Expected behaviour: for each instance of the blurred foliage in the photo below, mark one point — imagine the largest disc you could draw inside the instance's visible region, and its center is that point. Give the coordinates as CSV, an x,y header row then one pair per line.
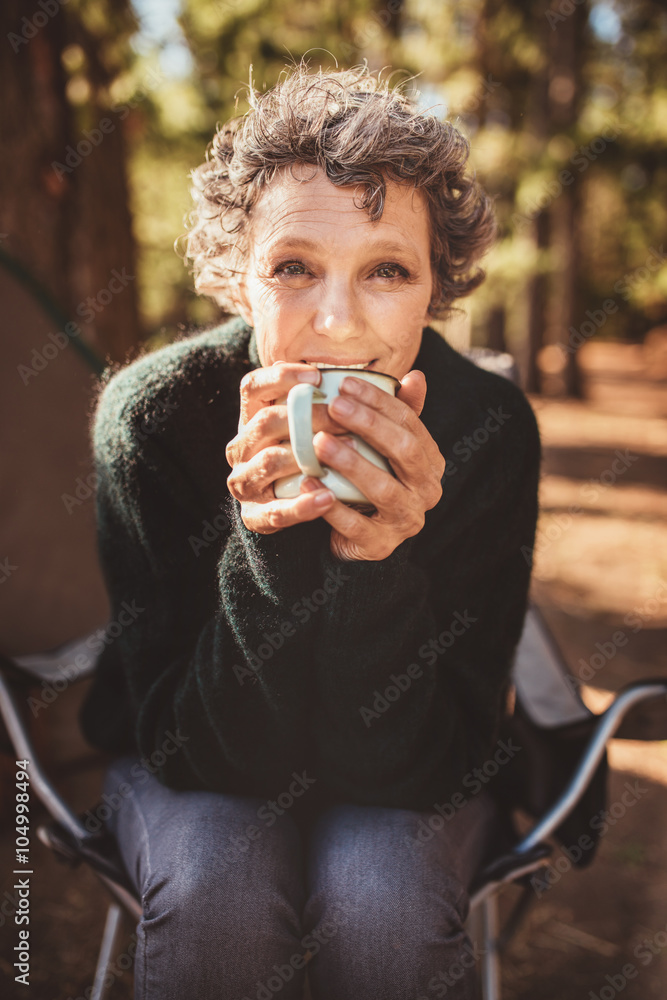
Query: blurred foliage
x,y
476,64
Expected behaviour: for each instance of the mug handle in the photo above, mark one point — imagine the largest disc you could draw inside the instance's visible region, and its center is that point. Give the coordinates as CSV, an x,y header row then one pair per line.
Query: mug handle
x,y
300,422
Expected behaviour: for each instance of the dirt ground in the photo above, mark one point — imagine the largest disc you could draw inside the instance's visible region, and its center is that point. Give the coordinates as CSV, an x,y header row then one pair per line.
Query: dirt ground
x,y
600,569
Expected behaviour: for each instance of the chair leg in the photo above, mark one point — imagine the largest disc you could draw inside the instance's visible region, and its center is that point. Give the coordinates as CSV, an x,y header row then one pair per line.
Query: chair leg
x,y
491,956
112,929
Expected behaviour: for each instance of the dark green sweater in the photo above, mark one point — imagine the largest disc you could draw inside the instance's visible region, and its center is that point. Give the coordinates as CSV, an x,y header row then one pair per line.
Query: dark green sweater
x,y
264,655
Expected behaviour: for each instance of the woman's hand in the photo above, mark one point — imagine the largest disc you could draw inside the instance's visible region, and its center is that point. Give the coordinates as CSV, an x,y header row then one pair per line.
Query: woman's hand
x,y
258,457
392,426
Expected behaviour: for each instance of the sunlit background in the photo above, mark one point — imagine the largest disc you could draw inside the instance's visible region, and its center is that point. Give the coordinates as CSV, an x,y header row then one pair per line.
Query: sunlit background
x,y
107,107
538,92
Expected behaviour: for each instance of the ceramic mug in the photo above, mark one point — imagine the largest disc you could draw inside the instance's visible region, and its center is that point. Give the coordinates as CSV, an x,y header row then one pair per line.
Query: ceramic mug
x,y
300,401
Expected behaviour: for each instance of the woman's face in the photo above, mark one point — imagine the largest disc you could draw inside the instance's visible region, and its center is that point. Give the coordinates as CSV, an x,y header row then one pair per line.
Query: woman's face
x,y
325,284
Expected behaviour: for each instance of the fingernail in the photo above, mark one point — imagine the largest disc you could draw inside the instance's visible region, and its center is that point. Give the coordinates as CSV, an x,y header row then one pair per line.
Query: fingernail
x,y
323,498
325,443
340,405
351,384
309,376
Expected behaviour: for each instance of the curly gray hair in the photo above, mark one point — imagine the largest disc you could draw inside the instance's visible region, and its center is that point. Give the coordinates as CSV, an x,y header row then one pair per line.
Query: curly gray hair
x,y
360,132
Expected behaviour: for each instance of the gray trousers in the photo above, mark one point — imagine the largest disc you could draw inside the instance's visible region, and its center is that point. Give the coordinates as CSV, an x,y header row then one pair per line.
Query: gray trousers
x,y
239,899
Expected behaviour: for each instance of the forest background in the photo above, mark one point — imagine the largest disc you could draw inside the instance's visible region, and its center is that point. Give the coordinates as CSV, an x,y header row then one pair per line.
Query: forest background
x,y
109,105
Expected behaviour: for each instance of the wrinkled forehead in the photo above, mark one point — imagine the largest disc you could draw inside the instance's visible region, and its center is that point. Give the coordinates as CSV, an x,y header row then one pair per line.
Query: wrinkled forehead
x,y
301,202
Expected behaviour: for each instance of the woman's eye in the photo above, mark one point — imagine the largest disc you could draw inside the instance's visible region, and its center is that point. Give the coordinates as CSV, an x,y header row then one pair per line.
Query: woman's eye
x,y
292,267
391,271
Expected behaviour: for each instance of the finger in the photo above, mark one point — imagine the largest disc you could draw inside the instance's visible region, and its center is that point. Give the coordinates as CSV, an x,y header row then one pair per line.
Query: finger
x,y
391,498
406,459
352,538
254,480
405,450
269,427
267,518
413,390
357,537
309,484
262,386
393,407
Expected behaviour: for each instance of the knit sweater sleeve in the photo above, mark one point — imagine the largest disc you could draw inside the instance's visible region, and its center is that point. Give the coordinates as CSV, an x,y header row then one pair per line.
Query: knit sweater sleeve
x,y
217,652
429,633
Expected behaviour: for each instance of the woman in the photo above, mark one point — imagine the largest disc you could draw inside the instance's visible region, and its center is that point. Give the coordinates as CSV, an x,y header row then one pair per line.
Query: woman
x,y
302,705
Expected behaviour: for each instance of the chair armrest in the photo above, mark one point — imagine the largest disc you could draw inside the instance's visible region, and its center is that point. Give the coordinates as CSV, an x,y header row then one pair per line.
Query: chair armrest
x,y
72,660
606,726
10,711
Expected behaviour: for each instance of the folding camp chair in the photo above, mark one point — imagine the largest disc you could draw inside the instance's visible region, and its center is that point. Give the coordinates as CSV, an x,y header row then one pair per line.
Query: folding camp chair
x,y
558,780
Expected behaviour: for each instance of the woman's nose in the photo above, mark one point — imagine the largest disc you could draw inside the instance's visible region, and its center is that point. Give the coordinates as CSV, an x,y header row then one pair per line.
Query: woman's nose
x,y
338,310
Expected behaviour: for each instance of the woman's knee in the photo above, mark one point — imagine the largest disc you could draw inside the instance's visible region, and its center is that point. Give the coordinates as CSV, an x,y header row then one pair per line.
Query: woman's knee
x,y
194,845
401,943
396,912
369,859
216,862
408,910
221,906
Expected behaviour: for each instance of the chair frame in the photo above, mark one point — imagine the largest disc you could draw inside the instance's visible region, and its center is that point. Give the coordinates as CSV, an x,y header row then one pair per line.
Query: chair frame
x,y
524,862
525,858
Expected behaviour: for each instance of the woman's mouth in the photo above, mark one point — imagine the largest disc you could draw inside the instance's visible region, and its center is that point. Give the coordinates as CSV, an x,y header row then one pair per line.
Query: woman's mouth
x,y
340,364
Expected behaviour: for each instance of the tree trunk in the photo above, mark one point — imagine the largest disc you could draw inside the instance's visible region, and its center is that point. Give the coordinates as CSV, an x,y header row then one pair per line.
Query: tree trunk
x,y
496,329
539,283
70,227
566,57
538,294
